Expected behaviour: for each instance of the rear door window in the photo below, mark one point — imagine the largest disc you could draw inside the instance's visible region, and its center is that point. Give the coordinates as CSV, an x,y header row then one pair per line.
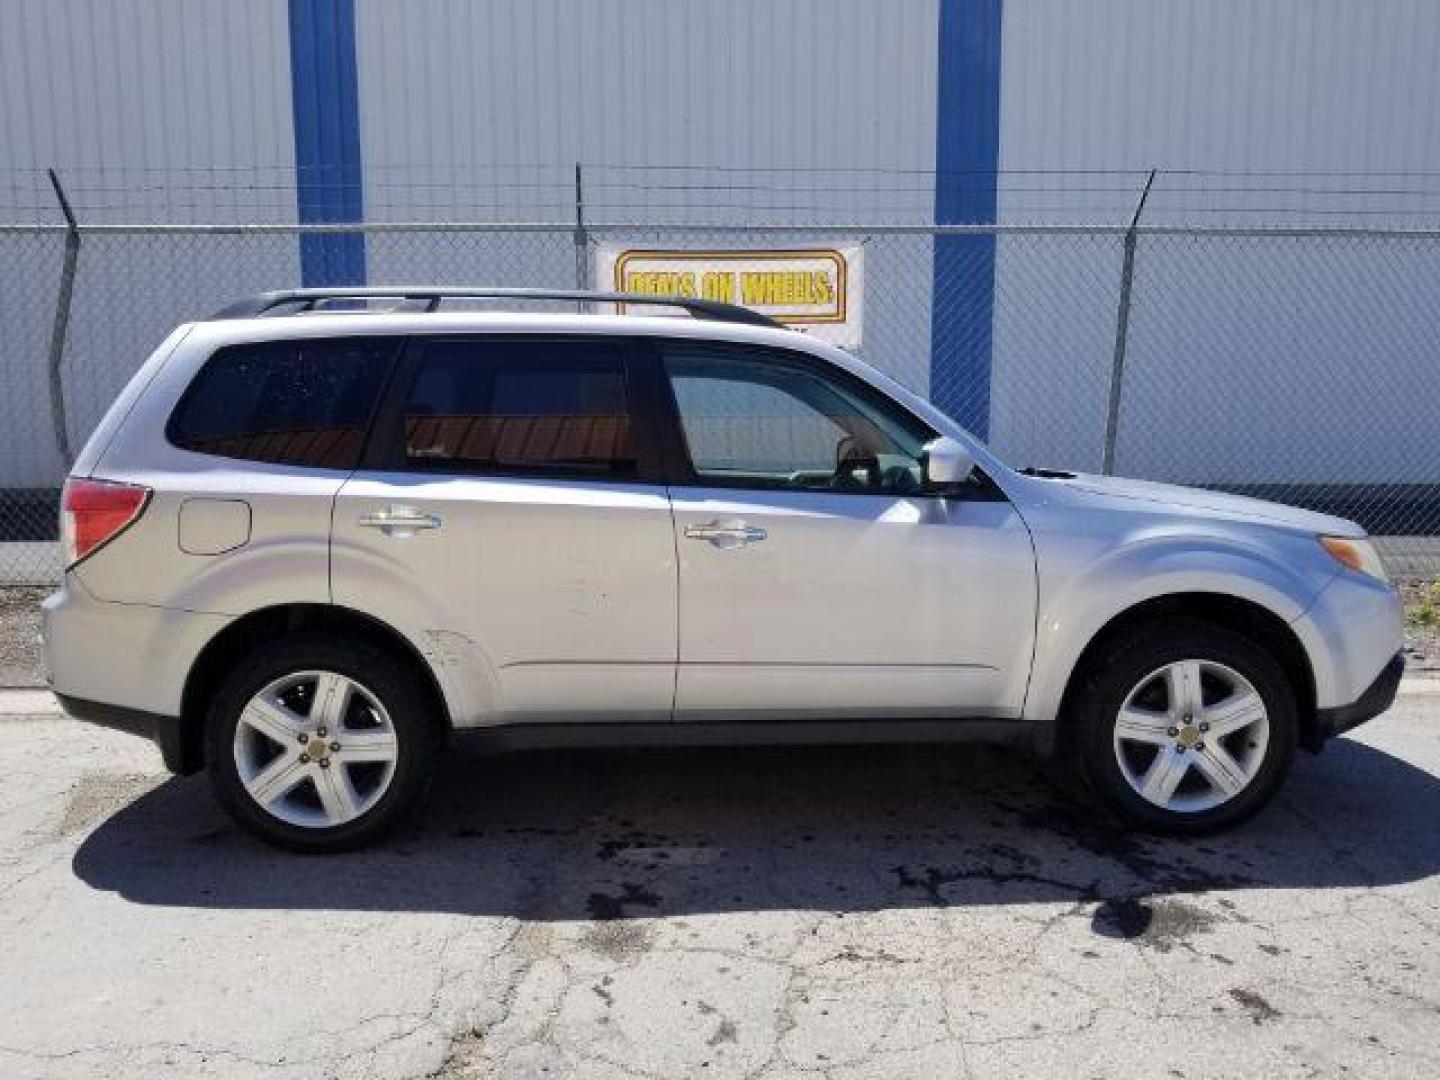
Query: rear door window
x,y
284,402
520,407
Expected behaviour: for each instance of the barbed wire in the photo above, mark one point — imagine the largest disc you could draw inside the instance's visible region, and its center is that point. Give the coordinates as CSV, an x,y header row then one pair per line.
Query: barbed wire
x,y
259,194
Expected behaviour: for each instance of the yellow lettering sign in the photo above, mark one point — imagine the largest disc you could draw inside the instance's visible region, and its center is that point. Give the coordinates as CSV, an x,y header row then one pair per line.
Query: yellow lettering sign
x,y
800,287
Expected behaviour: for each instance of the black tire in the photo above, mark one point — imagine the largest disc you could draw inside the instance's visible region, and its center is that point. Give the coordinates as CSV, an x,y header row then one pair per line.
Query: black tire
x,y
1124,663
394,683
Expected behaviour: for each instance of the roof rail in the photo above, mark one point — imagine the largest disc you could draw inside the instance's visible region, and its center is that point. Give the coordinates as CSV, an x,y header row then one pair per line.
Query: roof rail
x,y
296,300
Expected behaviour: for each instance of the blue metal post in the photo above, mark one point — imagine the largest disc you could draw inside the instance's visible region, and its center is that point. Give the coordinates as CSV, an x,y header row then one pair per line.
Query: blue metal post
x,y
967,150
326,104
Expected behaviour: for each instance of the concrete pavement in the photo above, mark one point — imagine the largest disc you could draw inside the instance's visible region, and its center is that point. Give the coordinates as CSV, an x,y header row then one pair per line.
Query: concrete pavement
x,y
796,913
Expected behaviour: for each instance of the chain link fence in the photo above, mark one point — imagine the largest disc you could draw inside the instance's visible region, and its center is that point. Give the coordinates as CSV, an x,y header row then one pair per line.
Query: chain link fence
x,y
1294,364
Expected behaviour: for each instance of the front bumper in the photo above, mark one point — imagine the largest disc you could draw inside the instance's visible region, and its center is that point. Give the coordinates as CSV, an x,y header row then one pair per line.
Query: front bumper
x,y
163,731
1378,697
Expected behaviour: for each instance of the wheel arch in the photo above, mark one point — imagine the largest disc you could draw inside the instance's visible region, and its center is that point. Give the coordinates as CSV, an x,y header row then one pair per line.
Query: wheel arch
x,y
1255,621
265,624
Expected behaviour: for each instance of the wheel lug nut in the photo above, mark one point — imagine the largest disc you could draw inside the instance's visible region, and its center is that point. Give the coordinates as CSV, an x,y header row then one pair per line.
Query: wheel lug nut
x,y
304,738
1204,726
1172,732
324,762
334,747
304,759
320,732
1199,746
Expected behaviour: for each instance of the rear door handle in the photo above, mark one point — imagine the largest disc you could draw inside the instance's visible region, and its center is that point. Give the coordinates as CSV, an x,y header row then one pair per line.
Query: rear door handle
x,y
726,534
400,521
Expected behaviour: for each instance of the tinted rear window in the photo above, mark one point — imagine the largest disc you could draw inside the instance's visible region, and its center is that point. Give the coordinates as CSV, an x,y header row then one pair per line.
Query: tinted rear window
x,y
520,407
287,402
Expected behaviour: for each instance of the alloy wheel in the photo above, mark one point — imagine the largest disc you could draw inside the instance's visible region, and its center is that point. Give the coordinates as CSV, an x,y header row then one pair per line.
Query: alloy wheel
x,y
1191,736
316,749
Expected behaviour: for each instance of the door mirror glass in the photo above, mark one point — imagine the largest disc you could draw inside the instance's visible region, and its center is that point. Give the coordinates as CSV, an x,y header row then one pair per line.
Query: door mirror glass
x,y
947,461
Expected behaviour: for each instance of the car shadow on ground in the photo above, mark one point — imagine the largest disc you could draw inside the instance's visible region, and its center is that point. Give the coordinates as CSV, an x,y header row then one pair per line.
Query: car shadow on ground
x,y
605,835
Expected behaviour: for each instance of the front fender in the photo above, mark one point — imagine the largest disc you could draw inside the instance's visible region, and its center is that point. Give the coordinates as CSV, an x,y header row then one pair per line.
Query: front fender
x,y
1080,597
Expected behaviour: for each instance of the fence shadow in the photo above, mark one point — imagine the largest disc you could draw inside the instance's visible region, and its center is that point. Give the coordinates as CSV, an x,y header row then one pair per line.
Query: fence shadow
x,y
602,835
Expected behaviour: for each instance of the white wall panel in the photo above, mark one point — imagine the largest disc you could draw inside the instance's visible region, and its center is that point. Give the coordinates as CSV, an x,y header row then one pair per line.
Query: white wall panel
x,y
1282,103
756,111
174,111
456,94
162,110
748,112
1304,87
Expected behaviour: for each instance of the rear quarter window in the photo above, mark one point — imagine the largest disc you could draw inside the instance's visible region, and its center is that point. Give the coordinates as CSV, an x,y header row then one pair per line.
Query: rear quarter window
x,y
284,402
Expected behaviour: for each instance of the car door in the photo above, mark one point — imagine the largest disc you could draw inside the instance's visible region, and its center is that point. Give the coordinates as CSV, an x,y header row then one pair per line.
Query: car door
x,y
509,517
819,576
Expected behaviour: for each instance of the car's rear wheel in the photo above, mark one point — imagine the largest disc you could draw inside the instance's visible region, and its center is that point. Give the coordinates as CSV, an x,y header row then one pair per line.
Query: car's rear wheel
x,y
318,747
1185,726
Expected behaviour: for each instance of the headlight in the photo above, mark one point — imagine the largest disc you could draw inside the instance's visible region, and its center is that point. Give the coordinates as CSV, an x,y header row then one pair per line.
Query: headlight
x,y
1358,555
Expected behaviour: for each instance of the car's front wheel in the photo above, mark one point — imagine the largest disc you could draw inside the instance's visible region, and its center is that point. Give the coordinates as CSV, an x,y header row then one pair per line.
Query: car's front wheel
x,y
318,747
1185,726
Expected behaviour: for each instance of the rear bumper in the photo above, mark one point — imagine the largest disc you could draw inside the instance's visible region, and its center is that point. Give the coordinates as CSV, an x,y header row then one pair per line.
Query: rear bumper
x,y
133,656
163,731
1375,700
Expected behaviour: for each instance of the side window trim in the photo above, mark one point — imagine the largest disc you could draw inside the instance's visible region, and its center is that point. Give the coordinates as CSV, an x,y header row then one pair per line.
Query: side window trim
x,y
392,378
385,450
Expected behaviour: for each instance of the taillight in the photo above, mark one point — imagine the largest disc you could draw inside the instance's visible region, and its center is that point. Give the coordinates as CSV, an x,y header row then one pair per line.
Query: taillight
x,y
94,512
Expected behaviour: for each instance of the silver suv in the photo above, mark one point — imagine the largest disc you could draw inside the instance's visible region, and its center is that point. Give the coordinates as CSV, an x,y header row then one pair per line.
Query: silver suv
x,y
322,532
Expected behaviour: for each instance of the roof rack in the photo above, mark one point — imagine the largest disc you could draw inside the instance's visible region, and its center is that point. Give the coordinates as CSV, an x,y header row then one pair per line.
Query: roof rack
x,y
428,298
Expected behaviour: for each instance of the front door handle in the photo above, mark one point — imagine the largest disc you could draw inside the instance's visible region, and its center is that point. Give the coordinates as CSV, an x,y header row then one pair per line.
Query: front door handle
x,y
400,521
726,534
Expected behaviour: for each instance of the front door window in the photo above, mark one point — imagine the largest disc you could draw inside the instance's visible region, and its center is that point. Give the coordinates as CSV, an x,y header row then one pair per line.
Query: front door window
x,y
763,419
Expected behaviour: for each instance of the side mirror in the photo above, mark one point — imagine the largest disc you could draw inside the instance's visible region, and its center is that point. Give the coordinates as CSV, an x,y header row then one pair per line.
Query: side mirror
x,y
947,461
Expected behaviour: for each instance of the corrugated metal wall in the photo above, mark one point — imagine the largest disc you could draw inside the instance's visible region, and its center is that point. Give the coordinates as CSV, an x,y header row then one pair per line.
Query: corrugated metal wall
x,y
456,95
759,112
1287,112
162,110
1221,84
748,112
174,110
772,100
